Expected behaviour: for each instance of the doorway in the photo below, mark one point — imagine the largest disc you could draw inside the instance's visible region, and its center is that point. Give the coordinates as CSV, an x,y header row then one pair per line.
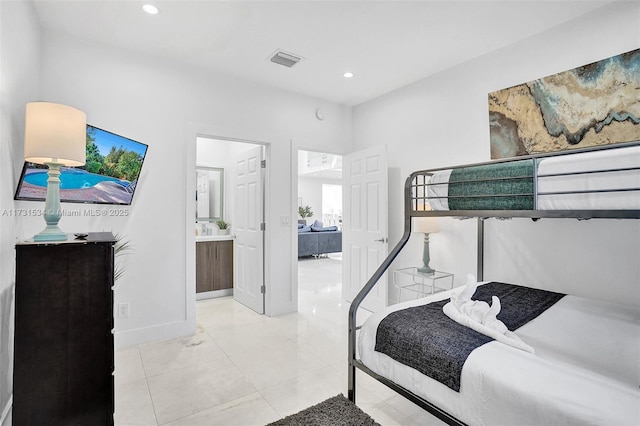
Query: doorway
x,y
319,207
232,229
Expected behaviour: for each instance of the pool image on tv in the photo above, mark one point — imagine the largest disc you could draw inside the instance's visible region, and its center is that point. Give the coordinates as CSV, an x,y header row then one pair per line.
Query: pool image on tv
x,y
109,176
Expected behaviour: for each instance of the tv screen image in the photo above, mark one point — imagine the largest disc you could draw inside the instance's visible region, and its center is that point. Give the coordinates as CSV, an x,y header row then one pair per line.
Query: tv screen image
x,y
109,176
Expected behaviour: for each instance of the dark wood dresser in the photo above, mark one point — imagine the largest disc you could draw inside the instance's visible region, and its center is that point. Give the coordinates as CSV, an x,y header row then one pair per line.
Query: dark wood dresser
x,y
64,352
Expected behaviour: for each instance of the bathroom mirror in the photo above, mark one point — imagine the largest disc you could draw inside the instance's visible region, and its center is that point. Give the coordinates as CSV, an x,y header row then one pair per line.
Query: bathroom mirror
x,y
209,193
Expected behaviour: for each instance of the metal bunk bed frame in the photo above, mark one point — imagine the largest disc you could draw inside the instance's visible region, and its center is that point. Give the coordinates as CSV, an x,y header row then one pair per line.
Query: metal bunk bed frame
x,y
414,197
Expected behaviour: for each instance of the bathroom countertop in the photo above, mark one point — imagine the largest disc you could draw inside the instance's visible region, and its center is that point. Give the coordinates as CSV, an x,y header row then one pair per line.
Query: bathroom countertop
x,y
200,238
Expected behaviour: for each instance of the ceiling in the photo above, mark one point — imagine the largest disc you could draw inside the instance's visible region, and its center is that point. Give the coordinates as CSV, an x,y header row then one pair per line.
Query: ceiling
x,y
319,165
386,44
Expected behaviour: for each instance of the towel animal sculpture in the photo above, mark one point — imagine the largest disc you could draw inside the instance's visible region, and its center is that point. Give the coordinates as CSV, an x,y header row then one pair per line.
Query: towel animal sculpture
x,y
479,316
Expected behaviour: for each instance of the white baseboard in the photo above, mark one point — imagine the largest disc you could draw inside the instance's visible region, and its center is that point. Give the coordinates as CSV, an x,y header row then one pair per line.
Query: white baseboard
x,y
213,294
124,339
6,411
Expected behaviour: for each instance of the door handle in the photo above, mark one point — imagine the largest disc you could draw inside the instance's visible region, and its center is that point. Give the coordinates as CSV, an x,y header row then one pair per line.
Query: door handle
x,y
381,240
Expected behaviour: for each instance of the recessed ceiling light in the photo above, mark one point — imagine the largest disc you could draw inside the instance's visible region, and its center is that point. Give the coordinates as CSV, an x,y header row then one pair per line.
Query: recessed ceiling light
x,y
348,74
150,9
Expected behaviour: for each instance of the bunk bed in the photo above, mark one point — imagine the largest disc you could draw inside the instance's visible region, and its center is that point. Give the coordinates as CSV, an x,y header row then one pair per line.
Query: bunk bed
x,y
566,376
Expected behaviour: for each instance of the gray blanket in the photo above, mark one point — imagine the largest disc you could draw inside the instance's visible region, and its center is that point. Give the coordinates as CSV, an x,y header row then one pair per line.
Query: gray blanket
x,y
424,338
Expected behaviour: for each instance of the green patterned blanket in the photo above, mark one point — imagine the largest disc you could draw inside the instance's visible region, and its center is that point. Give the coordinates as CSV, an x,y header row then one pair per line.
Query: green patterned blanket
x,y
500,186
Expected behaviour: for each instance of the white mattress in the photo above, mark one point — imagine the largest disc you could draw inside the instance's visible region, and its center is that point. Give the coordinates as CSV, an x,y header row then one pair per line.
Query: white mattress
x,y
591,161
586,369
618,158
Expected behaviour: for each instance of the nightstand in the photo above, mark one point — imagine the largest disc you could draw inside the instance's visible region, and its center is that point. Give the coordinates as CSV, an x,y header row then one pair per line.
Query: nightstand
x,y
420,283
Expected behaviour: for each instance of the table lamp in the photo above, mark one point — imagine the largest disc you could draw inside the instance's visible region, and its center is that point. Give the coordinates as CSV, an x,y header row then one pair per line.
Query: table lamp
x,y
55,135
426,225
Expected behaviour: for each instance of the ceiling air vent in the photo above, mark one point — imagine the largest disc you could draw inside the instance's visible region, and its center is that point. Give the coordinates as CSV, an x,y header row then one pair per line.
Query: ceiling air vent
x,y
284,58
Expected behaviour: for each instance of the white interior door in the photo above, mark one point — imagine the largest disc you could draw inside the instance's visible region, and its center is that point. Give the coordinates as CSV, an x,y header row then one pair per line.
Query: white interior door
x,y
365,224
248,217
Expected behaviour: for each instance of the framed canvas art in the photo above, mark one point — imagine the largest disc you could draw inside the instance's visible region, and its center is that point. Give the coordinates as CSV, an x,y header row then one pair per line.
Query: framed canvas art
x,y
595,104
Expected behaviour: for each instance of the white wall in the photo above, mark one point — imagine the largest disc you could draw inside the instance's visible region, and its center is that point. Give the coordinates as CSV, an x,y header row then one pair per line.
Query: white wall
x,y
166,105
443,121
310,190
20,47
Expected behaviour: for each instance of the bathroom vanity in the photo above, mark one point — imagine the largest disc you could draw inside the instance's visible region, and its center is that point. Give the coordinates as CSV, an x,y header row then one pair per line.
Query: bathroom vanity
x,y
214,266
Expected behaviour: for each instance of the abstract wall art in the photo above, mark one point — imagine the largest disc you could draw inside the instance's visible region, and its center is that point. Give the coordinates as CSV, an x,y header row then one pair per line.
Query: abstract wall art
x,y
595,104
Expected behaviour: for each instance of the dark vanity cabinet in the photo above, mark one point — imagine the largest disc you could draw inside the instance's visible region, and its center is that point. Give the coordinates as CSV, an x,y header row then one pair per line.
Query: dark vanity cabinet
x,y
64,351
214,265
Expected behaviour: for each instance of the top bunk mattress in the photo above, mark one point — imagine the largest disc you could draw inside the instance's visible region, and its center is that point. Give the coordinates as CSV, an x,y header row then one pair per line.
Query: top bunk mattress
x,y
598,180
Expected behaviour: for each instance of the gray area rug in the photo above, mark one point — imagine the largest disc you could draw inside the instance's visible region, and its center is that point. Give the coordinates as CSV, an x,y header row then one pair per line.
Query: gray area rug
x,y
335,411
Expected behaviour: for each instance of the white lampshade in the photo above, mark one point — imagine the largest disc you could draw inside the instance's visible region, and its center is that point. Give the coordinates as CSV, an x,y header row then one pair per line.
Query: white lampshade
x,y
428,225
55,133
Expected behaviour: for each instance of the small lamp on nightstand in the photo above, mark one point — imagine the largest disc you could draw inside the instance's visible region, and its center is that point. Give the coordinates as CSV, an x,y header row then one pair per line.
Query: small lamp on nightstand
x,y
54,135
426,225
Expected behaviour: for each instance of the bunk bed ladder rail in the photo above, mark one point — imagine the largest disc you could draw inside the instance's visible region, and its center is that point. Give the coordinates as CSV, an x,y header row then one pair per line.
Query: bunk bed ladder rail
x,y
353,309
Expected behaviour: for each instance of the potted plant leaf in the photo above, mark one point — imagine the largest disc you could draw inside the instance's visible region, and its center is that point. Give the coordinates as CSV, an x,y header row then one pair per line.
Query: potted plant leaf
x,y
305,212
122,247
223,226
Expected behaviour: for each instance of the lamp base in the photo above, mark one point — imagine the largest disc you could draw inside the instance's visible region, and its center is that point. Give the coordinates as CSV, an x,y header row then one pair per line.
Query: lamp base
x,y
51,233
426,270
52,210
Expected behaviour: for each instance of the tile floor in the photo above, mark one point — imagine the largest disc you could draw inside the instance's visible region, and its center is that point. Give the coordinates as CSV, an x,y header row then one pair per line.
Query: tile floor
x,y
241,368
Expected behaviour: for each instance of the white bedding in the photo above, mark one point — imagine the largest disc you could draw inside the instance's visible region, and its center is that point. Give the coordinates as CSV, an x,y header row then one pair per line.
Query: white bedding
x,y
586,369
438,190
589,161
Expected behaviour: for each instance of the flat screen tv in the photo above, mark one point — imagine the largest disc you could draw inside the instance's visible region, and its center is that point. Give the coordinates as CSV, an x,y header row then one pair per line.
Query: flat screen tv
x,y
110,175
